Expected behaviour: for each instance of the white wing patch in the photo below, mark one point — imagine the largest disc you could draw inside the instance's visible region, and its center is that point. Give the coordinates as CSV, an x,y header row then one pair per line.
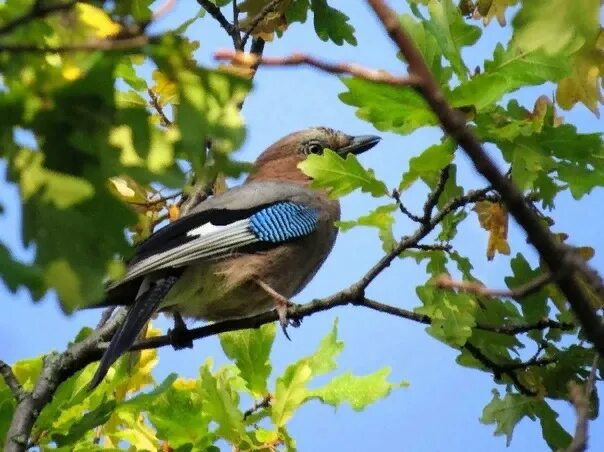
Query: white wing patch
x,y
210,241
205,229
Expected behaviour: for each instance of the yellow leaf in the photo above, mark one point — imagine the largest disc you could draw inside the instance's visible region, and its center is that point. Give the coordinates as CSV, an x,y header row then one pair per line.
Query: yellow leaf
x,y
71,72
173,212
494,218
164,88
184,384
271,22
97,19
584,83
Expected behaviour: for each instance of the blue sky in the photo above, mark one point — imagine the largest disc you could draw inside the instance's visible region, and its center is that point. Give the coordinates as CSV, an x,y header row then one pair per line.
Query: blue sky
x,y
440,409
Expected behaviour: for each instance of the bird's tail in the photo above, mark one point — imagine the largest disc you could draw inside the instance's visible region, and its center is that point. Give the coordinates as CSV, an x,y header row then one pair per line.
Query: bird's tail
x,y
138,315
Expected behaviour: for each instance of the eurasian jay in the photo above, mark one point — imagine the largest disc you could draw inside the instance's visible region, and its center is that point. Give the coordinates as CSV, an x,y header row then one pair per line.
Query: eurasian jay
x,y
238,253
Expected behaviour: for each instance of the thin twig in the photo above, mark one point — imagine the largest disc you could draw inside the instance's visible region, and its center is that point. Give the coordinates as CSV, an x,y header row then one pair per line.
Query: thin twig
x,y
435,247
164,9
557,256
11,381
265,11
264,403
445,282
397,197
215,12
239,44
299,59
111,45
435,194
580,398
165,121
499,369
38,11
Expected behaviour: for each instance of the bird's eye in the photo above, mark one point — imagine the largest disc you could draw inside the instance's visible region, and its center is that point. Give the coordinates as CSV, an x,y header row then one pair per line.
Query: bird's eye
x,y
315,148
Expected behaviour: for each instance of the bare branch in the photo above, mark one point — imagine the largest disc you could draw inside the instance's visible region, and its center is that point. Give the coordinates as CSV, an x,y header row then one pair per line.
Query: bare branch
x,y
265,11
56,369
215,12
264,403
164,9
580,399
397,197
299,59
558,257
38,11
111,45
11,381
435,194
165,121
505,369
445,282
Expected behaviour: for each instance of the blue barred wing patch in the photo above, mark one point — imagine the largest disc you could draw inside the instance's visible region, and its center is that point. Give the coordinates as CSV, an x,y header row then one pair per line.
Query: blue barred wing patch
x,y
283,221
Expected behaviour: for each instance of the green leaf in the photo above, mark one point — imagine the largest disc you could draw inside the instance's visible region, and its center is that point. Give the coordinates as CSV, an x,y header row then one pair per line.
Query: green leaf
x,y
534,306
297,10
221,404
452,33
556,25
427,44
86,423
428,165
322,360
173,411
330,23
506,413
182,28
7,409
389,108
209,109
341,176
509,70
380,218
16,274
291,392
358,391
452,314
250,349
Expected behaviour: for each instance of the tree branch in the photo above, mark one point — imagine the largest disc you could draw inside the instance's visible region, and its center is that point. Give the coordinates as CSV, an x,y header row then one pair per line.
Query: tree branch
x,y
436,193
165,121
558,257
11,381
397,197
215,12
580,399
264,403
111,45
56,369
505,369
38,11
445,282
300,59
265,11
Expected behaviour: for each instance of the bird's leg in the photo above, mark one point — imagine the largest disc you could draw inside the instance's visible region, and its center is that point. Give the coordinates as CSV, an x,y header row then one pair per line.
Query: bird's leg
x,y
281,305
179,335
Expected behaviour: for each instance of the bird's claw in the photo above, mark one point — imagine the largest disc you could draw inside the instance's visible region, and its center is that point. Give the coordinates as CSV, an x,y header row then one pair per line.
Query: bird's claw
x,y
284,321
179,335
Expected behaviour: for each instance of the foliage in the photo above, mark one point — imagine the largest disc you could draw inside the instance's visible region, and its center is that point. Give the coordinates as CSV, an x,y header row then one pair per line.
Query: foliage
x,y
196,413
92,144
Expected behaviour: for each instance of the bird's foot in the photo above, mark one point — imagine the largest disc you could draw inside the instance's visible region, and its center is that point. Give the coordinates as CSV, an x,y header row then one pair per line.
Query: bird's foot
x,y
179,335
282,304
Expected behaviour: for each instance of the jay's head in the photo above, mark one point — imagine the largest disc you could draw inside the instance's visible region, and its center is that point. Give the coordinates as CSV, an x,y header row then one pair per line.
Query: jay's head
x,y
280,160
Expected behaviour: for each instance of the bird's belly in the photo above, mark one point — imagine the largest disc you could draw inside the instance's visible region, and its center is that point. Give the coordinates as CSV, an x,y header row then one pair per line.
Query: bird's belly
x,y
226,290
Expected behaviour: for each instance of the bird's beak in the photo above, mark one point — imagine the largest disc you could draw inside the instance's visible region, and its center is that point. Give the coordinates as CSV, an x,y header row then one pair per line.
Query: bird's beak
x,y
359,145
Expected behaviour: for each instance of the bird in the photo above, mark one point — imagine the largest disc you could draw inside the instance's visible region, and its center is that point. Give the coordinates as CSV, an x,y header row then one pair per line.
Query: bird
x,y
238,253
